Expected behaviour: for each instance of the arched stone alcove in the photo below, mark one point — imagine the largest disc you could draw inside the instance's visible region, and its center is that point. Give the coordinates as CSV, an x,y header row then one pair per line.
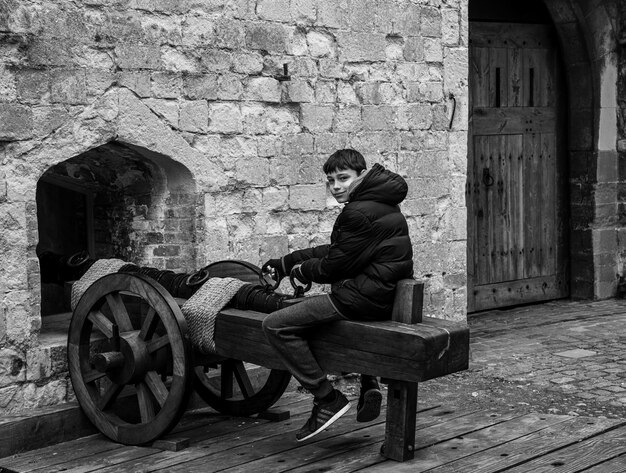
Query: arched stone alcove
x,y
114,201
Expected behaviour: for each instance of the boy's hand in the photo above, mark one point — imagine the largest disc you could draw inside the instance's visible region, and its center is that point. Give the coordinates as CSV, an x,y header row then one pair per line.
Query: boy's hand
x,y
274,266
296,273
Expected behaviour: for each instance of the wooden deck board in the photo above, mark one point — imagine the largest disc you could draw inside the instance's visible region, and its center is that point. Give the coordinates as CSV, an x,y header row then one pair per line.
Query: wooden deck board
x,y
447,440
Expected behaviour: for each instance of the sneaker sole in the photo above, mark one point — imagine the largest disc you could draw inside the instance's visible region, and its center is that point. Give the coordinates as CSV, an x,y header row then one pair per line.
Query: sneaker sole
x,y
343,410
370,409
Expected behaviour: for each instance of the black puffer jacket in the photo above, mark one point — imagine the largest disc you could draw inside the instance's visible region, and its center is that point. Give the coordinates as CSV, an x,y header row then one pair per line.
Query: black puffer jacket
x,y
370,249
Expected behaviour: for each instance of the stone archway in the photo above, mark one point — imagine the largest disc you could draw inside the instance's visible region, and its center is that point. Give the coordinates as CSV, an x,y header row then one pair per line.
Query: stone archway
x,y
120,117
588,42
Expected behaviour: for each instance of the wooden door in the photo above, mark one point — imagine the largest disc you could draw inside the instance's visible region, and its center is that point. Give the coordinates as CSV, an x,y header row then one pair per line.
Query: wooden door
x,y
515,188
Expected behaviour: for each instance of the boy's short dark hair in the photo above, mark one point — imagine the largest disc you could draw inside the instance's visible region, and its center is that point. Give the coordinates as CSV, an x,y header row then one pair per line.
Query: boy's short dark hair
x,y
345,159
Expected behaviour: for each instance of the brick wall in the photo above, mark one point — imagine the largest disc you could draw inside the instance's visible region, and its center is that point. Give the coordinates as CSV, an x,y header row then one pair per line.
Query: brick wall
x,y
198,87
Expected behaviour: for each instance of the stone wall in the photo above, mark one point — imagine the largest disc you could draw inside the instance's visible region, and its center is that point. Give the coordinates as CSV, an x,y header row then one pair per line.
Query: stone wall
x,y
200,87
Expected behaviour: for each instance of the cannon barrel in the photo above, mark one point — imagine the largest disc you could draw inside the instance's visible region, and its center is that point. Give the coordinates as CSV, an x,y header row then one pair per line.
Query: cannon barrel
x,y
60,269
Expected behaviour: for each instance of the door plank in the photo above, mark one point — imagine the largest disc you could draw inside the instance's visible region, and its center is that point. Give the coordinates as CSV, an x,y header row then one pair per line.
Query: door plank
x,y
521,291
481,77
497,35
514,120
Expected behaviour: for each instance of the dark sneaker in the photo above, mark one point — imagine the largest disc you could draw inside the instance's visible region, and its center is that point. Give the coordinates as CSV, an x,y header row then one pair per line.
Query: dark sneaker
x,y
323,415
368,407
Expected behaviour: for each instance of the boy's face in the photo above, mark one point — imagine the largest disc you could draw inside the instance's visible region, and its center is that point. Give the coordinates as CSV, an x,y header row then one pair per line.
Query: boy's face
x,y
339,181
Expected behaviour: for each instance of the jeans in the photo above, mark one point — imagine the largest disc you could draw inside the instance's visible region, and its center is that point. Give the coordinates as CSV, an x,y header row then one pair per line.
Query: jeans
x,y
286,330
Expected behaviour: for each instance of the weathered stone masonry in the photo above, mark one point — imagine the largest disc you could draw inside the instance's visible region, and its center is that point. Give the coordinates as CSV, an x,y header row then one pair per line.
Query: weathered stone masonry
x,y
194,91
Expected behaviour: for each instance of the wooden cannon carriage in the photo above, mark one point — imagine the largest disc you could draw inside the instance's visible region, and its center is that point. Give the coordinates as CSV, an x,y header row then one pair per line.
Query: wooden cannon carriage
x,y
133,368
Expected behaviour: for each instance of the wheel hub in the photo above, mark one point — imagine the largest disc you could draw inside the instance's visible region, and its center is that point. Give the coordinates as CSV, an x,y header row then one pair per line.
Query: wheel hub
x,y
128,365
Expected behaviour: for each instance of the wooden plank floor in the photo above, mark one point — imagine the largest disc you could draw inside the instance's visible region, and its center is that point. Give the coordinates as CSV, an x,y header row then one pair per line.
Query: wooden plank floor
x,y
447,440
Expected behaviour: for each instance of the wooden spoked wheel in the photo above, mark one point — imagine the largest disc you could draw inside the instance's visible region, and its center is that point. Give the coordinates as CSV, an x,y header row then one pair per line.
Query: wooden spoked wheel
x,y
129,358
236,388
231,386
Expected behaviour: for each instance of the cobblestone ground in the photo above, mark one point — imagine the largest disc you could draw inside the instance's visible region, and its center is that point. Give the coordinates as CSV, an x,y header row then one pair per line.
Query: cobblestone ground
x,y
561,357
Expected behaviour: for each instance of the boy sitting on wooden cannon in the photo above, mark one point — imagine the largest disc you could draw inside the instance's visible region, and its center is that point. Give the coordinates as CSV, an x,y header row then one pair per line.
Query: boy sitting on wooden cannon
x,y
369,252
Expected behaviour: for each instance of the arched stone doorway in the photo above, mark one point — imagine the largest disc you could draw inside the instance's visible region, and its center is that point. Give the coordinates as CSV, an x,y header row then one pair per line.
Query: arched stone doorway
x,y
586,42
114,201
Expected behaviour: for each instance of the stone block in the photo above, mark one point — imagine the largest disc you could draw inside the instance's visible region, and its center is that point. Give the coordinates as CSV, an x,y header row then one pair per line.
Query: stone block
x,y
321,44
215,60
414,117
297,145
263,89
229,34
138,56
431,22
16,122
426,91
225,118
267,37
332,13
166,250
273,246
137,81
413,49
273,10
167,85
310,169
307,197
68,86
450,27
455,71
376,142
402,18
229,87
10,397
348,119
254,171
200,86
378,117
355,47
298,91
328,143
32,85
194,116
346,93
198,31
98,80
303,11
275,198
176,60
168,109
331,68
12,367
368,93
283,170
433,50
38,364
316,118
325,92
247,63
49,394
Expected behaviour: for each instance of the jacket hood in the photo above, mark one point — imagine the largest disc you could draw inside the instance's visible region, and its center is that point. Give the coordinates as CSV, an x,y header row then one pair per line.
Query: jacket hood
x,y
380,185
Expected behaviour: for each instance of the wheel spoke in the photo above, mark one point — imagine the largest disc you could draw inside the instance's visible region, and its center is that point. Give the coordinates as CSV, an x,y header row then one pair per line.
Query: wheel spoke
x,y
119,311
101,322
154,345
146,406
92,375
149,325
109,396
153,381
243,380
226,380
